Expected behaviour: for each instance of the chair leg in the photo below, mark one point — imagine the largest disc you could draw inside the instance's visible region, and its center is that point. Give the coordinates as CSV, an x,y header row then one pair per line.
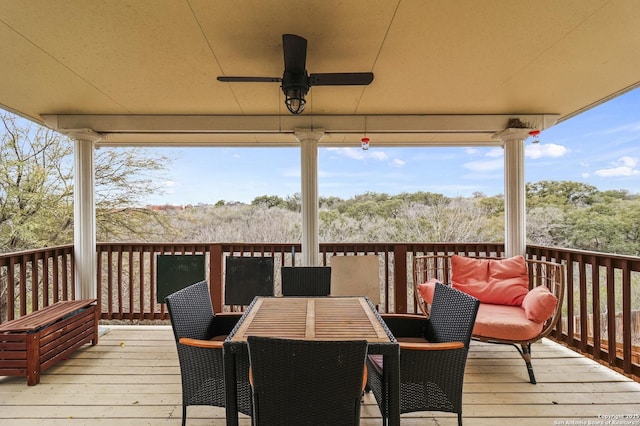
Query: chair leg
x,y
184,415
459,419
526,355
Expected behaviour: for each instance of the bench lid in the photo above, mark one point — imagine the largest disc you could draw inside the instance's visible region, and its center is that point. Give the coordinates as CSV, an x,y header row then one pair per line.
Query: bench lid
x,y
45,316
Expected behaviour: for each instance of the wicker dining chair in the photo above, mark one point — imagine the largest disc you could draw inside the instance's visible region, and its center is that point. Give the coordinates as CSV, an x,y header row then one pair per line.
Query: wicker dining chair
x,y
306,280
304,382
433,354
199,334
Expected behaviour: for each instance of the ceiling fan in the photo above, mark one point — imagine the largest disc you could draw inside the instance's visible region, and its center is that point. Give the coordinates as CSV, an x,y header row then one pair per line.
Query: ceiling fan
x,y
295,79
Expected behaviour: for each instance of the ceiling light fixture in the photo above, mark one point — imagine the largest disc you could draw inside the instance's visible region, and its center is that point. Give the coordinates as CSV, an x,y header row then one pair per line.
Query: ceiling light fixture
x,y
295,101
295,86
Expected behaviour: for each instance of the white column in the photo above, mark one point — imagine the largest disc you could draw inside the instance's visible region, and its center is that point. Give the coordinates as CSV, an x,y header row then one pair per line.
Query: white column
x,y
515,227
309,181
84,214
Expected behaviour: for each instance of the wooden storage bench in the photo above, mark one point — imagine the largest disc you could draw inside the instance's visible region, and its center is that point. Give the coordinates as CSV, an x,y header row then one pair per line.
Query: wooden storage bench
x,y
32,343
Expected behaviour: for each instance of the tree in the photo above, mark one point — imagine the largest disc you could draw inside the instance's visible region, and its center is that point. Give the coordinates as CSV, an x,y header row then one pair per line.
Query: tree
x,y
239,222
560,193
617,194
456,219
123,178
294,202
36,196
329,202
36,189
594,228
494,206
268,201
545,226
629,216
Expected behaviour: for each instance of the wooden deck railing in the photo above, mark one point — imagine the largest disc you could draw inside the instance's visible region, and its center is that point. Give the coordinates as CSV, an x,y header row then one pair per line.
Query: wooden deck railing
x,y
600,286
603,289
34,279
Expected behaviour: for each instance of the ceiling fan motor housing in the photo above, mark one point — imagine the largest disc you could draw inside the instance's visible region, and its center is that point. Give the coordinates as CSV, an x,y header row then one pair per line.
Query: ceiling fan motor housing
x,y
295,81
295,86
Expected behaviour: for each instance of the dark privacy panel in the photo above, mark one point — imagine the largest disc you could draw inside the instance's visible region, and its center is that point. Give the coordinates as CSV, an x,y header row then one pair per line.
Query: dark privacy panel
x,y
247,277
176,271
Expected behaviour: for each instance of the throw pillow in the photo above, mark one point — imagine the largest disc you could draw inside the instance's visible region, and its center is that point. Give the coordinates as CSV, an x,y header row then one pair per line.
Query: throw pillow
x,y
427,290
539,304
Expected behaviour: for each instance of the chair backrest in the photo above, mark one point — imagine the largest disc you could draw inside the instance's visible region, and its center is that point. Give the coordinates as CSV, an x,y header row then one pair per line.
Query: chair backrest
x,y
247,277
191,311
298,381
355,276
453,315
306,280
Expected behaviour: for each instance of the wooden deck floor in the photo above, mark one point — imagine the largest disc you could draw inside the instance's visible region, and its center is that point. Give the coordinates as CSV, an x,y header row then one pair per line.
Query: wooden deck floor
x,y
132,377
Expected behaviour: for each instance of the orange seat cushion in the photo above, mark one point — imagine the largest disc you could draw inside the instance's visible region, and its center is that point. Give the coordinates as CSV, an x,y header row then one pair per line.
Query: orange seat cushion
x,y
505,322
496,281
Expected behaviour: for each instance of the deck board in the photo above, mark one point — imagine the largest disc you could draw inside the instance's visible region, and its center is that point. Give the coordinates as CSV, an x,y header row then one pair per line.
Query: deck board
x,y
132,377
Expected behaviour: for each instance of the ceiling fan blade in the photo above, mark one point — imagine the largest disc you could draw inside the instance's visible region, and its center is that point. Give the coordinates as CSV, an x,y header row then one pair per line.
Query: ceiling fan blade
x,y
341,79
250,79
295,53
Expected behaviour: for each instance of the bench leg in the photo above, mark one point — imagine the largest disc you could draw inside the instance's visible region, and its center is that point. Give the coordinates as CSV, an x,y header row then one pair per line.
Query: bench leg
x,y
96,319
33,359
526,355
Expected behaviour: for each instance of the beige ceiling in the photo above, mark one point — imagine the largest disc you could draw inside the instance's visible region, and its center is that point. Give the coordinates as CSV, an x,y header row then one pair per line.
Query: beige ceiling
x,y
144,71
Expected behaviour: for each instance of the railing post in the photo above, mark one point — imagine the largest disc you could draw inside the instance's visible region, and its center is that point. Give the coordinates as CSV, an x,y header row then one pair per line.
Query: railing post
x,y
399,278
216,257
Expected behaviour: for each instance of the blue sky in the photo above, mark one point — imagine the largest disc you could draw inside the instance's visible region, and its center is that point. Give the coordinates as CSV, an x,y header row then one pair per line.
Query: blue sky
x,y
600,147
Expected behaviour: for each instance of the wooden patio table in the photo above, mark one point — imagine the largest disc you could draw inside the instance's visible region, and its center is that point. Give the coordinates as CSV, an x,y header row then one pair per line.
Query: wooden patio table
x,y
314,318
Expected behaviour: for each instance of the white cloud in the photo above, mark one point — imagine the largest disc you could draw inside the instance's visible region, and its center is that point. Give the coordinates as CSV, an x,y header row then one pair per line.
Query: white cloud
x,y
617,171
471,151
360,154
631,127
540,150
628,161
290,172
495,152
378,155
484,166
169,186
625,166
370,154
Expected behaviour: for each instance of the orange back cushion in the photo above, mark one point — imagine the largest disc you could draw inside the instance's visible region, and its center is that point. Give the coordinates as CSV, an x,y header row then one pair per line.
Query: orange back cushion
x,y
496,281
